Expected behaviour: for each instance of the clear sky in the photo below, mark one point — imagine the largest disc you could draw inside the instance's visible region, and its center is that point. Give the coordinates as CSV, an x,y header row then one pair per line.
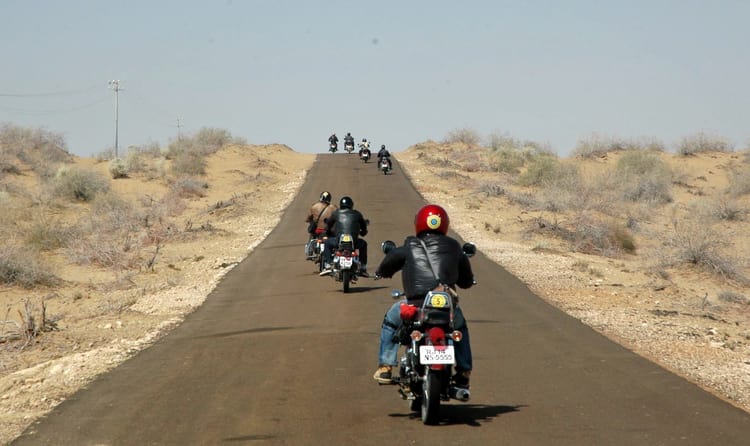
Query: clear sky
x,y
395,72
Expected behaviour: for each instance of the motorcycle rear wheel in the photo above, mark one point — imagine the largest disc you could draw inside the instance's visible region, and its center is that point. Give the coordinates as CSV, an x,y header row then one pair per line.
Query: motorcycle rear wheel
x,y
431,399
346,277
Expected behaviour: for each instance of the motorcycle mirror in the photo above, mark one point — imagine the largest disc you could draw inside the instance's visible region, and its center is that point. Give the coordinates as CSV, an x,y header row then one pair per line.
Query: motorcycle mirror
x,y
396,294
469,249
387,246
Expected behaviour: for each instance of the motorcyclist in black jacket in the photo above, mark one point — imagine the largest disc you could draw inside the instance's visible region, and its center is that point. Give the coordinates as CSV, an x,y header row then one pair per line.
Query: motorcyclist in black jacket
x,y
346,220
453,268
348,141
334,140
384,153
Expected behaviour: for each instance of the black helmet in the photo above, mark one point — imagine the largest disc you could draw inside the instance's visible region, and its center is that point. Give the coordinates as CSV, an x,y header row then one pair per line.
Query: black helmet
x,y
364,139
348,134
346,203
325,197
383,146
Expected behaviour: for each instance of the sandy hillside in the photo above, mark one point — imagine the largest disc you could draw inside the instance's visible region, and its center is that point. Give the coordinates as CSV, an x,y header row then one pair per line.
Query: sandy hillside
x,y
99,316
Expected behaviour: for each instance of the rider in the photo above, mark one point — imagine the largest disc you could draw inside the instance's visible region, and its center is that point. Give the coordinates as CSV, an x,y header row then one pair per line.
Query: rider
x,y
346,220
417,261
364,145
334,140
316,217
348,140
384,153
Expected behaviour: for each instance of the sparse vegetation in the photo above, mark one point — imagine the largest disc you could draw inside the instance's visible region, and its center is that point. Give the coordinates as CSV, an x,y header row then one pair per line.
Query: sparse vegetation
x,y
597,145
643,176
464,136
691,242
702,142
78,184
23,267
117,168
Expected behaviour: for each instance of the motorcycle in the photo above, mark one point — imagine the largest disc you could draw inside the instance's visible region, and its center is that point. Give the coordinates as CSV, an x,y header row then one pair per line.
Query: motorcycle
x,y
314,250
333,147
345,267
364,155
349,147
384,165
428,332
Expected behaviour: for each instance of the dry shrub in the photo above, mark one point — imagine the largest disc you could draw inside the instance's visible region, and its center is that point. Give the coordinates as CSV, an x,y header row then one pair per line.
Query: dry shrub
x,y
597,145
45,233
693,242
643,176
117,168
189,163
23,267
464,136
702,142
206,141
78,184
110,236
722,208
507,160
186,187
734,298
589,235
491,189
608,239
33,146
739,181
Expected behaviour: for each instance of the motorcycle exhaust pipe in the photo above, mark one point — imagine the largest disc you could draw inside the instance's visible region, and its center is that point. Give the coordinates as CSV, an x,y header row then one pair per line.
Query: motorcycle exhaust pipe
x,y
459,393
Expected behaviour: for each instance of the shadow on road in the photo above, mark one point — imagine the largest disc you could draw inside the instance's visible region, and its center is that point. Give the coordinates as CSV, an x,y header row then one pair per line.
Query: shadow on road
x,y
469,414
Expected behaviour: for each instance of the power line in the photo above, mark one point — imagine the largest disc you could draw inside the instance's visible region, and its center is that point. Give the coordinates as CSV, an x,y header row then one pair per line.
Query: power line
x,y
50,93
55,111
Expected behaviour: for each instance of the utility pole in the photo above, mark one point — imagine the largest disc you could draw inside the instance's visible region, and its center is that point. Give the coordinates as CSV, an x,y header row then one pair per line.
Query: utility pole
x,y
179,125
115,85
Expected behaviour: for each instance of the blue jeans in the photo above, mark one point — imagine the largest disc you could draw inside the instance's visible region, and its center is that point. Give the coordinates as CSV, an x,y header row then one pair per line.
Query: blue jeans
x,y
389,350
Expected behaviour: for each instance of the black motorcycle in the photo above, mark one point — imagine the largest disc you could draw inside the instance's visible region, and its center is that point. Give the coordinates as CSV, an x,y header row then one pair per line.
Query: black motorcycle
x,y
425,368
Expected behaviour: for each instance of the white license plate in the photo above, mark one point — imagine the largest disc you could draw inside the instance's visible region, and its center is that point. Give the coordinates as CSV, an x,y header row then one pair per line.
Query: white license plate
x,y
345,262
429,354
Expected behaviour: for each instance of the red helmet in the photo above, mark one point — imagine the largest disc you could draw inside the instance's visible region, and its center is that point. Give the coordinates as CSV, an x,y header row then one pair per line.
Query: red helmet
x,y
431,218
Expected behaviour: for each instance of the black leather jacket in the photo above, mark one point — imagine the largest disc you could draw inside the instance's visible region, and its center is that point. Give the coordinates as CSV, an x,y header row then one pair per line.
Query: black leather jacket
x,y
446,256
347,221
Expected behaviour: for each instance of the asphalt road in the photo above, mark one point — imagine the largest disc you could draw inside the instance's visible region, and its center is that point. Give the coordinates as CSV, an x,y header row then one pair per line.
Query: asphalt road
x,y
280,356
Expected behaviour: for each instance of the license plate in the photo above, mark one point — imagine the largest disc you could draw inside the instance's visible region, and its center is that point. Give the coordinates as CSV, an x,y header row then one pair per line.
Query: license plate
x,y
429,354
345,262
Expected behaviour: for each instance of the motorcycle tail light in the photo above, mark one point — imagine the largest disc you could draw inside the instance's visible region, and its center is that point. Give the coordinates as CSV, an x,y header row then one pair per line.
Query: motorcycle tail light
x,y
457,336
437,336
416,335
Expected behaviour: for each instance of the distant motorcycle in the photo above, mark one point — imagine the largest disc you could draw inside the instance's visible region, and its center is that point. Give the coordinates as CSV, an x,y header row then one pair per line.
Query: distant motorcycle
x,y
384,165
349,147
333,148
346,263
429,336
364,155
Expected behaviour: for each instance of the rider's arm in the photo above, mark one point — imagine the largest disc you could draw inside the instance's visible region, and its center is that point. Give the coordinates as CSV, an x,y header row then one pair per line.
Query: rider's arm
x,y
392,263
465,275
